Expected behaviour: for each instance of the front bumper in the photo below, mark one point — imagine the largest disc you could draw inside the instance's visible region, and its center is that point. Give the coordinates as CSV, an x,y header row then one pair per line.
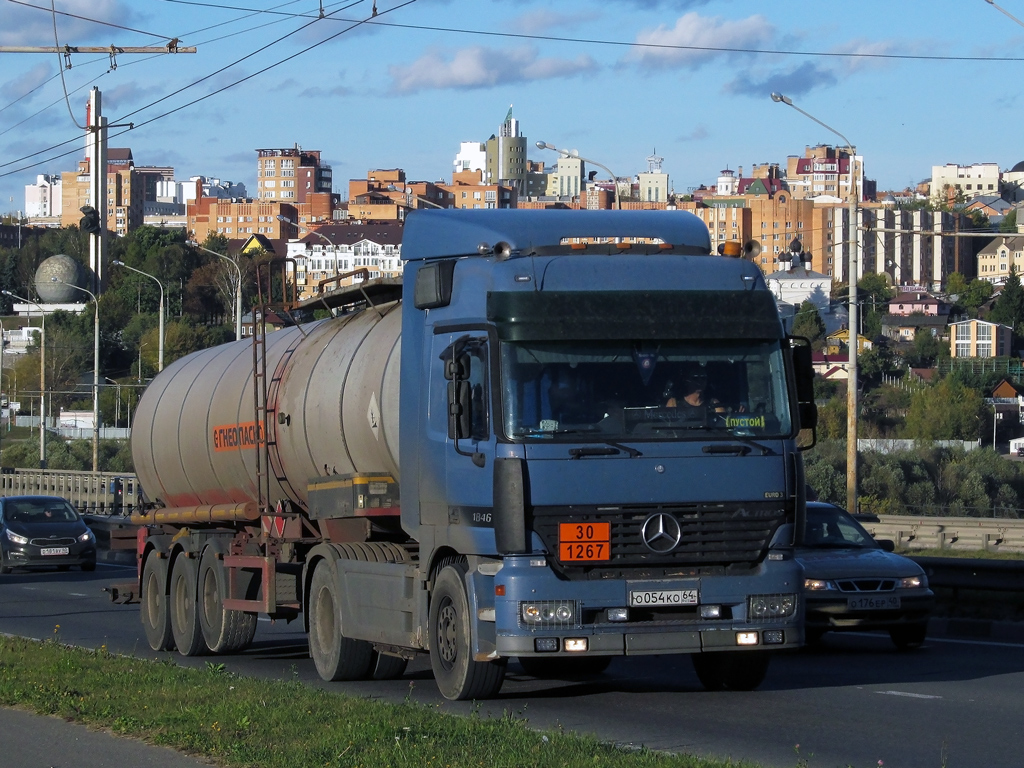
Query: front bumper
x,y
664,630
31,556
832,613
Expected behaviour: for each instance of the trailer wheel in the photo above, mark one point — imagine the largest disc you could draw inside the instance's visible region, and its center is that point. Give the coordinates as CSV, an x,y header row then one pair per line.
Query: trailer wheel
x,y
153,605
457,674
336,657
224,631
735,670
188,634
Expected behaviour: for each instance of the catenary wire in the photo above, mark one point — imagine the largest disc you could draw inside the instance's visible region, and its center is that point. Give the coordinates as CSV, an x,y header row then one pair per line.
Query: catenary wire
x,y
88,19
60,68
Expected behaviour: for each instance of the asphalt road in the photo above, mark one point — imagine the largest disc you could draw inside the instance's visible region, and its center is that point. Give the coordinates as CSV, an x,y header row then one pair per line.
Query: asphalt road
x,y
852,702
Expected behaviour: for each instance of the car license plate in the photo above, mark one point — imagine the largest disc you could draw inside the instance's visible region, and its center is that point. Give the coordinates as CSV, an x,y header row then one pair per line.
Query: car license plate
x,y
873,603
584,541
53,551
657,597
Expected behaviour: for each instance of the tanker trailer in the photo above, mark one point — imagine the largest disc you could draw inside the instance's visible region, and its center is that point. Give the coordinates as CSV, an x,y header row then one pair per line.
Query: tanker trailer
x,y
501,462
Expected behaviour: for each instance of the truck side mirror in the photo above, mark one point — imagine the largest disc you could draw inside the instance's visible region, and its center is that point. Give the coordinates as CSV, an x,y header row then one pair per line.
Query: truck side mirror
x,y
460,410
803,375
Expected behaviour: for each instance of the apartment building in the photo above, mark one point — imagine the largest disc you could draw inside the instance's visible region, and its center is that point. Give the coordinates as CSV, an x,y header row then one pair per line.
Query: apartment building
x,y
337,250
291,175
43,199
126,190
236,219
968,180
999,256
979,338
827,171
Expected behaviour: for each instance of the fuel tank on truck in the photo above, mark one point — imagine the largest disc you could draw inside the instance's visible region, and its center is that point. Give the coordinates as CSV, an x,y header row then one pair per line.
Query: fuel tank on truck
x,y
332,401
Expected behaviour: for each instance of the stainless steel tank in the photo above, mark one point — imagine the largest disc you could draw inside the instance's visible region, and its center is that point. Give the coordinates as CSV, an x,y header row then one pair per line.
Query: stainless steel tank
x,y
332,397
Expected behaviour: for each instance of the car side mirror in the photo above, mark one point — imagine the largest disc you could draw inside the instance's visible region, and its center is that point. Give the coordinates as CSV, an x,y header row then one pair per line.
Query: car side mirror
x,y
887,544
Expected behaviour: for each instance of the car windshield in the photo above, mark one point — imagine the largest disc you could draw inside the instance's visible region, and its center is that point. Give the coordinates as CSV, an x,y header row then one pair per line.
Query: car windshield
x,y
622,390
831,527
42,511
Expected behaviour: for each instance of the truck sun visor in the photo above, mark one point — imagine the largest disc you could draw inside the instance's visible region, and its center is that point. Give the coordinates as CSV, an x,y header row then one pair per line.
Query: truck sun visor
x,y
528,315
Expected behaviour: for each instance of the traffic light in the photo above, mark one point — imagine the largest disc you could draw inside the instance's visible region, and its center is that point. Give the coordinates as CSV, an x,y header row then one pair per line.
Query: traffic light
x,y
90,222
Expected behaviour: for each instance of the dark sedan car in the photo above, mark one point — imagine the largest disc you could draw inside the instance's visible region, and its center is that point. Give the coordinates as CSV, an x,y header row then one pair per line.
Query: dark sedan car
x,y
43,530
852,583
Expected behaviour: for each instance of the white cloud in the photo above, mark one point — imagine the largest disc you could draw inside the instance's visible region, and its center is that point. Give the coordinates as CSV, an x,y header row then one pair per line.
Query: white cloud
x,y
126,95
29,26
26,82
480,67
549,22
694,31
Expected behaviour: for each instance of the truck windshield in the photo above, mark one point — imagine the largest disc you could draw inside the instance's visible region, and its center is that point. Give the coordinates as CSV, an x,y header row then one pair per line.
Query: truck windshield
x,y
619,390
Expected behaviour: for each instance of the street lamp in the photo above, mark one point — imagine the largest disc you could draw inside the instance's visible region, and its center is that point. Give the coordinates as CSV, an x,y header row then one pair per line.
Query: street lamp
x,y
238,286
95,372
42,377
160,358
575,154
851,384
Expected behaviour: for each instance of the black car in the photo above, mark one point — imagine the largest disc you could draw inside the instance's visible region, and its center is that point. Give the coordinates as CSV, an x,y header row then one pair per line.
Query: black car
x,y
853,583
43,530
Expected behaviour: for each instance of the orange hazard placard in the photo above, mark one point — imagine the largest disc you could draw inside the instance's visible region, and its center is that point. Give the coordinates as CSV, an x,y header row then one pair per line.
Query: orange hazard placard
x,y
584,541
234,437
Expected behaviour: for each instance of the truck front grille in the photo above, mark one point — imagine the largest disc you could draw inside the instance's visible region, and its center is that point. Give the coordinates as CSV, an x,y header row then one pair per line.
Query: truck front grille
x,y
712,537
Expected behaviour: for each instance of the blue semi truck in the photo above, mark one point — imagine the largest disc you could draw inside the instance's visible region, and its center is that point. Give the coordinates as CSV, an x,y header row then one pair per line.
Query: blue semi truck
x,y
562,437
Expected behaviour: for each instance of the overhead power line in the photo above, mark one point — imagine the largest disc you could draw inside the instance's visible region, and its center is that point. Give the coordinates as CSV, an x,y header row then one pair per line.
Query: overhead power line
x,y
88,19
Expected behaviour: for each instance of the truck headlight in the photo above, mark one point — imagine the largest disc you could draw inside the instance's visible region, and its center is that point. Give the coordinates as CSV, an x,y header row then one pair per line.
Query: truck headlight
x,y
16,538
548,612
770,606
913,582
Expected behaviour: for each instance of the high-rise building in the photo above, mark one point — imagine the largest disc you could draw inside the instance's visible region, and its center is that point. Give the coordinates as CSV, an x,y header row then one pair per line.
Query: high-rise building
x,y
126,189
291,175
506,156
43,199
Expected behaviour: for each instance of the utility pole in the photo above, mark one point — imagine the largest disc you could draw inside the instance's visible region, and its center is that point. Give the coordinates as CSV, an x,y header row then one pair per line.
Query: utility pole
x,y
97,187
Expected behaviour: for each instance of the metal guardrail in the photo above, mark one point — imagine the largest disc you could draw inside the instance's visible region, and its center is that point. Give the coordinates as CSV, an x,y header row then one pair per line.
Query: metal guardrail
x,y
987,575
101,493
989,534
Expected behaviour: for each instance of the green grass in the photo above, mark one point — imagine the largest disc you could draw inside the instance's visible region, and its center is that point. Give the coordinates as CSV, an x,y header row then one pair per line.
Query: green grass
x,y
241,721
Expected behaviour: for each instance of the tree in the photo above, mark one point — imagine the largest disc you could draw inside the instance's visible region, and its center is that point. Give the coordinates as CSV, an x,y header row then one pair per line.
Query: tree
x,y
1009,307
946,411
956,284
808,322
1009,222
925,351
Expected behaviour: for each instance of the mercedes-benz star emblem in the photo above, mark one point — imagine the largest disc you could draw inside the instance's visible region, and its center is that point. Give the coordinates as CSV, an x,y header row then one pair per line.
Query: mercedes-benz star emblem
x,y
661,532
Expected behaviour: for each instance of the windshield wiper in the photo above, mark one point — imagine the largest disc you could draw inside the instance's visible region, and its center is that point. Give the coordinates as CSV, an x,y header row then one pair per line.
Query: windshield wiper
x,y
613,449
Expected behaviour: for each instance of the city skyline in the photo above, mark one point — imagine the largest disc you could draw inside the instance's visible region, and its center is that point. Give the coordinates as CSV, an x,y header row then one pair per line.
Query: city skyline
x,y
405,96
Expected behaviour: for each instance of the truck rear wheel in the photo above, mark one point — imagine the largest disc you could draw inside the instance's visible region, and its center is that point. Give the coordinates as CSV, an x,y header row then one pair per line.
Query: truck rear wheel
x,y
732,670
188,634
224,631
336,657
388,667
153,606
457,674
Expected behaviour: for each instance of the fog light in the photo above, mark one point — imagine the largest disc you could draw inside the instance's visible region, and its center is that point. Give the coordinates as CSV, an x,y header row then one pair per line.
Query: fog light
x,y
773,637
746,638
618,614
711,611
575,644
545,644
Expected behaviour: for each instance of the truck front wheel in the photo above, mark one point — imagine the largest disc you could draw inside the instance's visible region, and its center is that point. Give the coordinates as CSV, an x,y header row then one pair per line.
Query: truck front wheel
x,y
156,617
733,670
457,674
336,657
188,634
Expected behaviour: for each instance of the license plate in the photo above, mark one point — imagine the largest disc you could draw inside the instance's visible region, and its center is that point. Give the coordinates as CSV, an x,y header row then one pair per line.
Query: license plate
x,y
53,551
658,597
875,603
584,541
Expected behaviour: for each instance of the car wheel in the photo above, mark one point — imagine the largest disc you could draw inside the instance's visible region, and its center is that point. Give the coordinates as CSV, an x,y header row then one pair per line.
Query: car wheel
x,y
908,636
4,567
734,670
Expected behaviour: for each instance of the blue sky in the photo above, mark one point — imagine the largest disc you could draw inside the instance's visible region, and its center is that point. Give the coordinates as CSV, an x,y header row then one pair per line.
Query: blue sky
x,y
405,89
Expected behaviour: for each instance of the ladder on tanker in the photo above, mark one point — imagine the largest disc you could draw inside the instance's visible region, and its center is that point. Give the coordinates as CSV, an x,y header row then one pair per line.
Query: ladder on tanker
x,y
273,278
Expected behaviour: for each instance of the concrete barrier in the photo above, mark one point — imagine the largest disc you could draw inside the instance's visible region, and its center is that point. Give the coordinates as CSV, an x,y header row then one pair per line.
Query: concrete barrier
x,y
958,533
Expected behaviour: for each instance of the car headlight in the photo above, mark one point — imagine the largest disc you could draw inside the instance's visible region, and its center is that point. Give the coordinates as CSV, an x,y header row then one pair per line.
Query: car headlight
x,y
913,582
16,538
770,606
549,612
818,585
87,536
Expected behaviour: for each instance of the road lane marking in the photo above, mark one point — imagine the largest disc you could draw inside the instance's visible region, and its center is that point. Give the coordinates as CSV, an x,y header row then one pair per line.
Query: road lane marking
x,y
77,594
908,694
